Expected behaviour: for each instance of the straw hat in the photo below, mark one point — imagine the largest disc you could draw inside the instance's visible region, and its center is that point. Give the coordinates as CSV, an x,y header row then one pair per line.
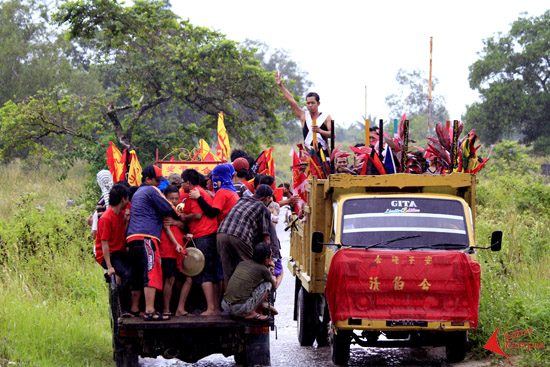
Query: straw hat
x,y
193,262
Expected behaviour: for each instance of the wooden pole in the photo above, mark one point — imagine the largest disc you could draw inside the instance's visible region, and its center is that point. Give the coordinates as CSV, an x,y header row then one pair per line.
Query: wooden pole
x,y
314,142
430,89
381,138
367,121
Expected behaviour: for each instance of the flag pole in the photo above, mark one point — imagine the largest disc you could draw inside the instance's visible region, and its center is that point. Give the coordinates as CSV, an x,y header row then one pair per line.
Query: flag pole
x,y
367,121
430,89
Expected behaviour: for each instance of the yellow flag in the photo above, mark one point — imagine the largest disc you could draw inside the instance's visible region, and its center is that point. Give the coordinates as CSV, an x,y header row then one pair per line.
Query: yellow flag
x,y
134,172
223,140
205,153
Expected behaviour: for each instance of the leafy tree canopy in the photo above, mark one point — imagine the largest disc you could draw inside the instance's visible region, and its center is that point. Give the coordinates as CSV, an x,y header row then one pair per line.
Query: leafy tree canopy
x,y
513,79
412,97
163,80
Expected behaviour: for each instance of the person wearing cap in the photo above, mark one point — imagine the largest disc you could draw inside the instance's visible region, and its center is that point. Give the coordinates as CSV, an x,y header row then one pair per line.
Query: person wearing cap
x,y
175,179
248,223
241,167
149,206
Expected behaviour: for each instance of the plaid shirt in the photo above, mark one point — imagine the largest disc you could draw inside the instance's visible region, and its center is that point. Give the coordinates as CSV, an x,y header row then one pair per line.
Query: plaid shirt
x,y
248,220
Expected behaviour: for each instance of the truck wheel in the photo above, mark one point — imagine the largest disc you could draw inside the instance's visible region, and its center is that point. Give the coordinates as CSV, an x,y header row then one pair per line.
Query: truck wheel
x,y
125,356
306,319
323,333
340,346
114,307
455,346
257,349
240,358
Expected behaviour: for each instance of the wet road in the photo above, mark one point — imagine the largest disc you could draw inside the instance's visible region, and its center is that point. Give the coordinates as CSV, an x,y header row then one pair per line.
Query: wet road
x,y
285,350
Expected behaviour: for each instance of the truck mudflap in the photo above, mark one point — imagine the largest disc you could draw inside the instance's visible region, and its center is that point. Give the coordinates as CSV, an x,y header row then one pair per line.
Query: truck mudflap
x,y
403,286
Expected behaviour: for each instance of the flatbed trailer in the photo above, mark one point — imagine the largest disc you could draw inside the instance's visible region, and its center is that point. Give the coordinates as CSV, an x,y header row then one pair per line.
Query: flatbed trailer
x,y
188,338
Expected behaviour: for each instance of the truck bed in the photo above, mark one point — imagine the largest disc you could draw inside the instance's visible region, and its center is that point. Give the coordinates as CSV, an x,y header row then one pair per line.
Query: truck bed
x,y
192,322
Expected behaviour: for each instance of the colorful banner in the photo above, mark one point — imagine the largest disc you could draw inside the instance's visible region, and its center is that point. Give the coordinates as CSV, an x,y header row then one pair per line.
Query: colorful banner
x,y
134,172
205,153
116,162
403,285
223,140
179,167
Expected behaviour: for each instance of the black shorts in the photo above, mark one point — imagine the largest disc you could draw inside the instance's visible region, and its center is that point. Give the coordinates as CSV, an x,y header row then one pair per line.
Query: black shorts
x,y
207,244
169,267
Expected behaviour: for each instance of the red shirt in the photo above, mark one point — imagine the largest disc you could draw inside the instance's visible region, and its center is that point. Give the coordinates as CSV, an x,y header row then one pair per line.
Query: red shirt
x,y
110,227
224,200
205,225
167,248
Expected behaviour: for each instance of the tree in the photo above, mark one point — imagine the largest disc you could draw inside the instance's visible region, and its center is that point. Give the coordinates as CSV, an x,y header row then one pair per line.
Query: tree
x,y
412,98
34,56
163,80
513,79
296,82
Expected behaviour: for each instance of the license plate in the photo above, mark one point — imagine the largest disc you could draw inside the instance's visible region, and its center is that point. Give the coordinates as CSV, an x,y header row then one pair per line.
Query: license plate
x,y
406,323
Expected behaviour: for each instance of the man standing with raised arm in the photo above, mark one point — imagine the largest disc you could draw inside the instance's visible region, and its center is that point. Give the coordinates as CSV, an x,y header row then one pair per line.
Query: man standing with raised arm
x,y
308,115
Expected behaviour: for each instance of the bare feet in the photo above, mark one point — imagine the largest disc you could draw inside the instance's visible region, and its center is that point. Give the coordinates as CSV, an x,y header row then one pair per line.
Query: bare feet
x,y
181,313
209,313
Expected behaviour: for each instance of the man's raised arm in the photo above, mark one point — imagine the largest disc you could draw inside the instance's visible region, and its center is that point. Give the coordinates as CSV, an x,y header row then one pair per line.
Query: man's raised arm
x,y
289,98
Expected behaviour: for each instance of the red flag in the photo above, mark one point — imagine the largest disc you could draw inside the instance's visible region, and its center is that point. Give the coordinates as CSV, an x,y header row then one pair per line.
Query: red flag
x,y
265,165
299,180
116,162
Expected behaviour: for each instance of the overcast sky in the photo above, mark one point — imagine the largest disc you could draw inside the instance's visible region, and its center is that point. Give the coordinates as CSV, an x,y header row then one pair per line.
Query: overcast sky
x,y
345,45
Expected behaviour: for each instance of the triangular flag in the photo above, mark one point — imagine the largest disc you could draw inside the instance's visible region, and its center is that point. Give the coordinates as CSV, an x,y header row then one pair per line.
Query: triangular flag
x,y
205,153
299,180
134,172
115,162
223,140
389,163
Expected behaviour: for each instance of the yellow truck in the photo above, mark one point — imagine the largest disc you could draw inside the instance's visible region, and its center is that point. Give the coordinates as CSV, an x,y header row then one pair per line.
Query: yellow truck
x,y
387,261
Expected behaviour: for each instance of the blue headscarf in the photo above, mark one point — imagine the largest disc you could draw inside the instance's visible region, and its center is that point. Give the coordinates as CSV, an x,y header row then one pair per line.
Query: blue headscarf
x,y
221,177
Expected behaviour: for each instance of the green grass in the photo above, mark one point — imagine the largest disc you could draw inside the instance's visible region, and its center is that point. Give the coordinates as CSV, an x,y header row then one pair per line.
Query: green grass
x,y
54,301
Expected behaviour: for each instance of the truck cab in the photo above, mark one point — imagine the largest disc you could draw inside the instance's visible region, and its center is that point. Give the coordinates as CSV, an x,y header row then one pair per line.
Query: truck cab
x,y
387,261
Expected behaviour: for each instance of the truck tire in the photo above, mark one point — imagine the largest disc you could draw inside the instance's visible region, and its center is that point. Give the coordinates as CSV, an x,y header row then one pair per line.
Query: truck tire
x,y
306,319
323,328
455,346
240,358
124,354
340,347
114,307
256,352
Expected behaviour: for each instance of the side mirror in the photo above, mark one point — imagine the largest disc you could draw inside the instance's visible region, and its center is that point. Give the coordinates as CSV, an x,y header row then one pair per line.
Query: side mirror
x,y
496,241
317,242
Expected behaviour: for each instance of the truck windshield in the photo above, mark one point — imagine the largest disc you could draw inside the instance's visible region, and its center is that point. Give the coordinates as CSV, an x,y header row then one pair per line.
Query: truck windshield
x,y
420,221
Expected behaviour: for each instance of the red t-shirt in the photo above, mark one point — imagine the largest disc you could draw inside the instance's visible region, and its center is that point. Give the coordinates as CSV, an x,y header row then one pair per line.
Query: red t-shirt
x,y
167,248
205,225
183,195
110,227
224,200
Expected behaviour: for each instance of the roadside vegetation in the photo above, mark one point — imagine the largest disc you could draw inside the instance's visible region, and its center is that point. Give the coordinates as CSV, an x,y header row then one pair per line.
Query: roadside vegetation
x,y
514,197
53,303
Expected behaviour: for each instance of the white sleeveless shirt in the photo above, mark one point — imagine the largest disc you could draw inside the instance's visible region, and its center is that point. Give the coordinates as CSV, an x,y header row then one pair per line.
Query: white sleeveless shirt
x,y
308,132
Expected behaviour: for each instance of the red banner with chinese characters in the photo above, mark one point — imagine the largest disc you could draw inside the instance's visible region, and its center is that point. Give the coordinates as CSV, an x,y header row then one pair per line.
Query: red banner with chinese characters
x,y
203,167
403,285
